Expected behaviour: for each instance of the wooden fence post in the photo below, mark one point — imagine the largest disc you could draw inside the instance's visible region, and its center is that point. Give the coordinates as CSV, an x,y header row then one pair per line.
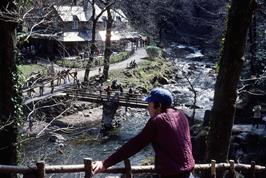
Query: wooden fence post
x,y
88,167
232,169
128,171
252,169
40,169
213,169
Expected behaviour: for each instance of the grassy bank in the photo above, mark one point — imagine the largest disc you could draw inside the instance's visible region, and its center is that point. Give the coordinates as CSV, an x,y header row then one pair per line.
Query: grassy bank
x,y
143,75
27,69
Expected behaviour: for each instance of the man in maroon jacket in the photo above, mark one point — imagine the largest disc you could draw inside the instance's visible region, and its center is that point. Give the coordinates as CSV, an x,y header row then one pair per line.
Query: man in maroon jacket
x,y
168,132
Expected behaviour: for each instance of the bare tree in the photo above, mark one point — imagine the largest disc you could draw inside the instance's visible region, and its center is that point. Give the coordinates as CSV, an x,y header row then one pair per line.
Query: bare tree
x,y
107,51
193,90
94,17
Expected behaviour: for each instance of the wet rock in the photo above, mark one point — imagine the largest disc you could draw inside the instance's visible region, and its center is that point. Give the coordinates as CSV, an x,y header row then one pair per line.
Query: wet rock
x,y
208,66
79,106
176,92
172,82
178,77
109,111
192,66
238,139
206,118
252,139
94,131
197,58
142,89
80,113
61,145
56,138
153,80
87,113
198,137
162,80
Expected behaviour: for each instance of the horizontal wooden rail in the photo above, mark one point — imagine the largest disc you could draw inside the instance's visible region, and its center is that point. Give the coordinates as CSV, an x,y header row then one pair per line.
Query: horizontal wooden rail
x,y
41,168
96,98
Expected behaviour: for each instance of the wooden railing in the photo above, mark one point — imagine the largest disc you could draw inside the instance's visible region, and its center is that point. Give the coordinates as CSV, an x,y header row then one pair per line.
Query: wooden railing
x,y
41,169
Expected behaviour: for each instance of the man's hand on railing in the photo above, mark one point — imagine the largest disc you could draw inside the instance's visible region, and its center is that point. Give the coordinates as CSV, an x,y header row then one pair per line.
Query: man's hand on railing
x,y
98,167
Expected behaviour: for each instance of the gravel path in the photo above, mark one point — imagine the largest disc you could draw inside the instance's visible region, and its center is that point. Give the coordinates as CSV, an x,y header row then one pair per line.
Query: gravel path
x,y
137,56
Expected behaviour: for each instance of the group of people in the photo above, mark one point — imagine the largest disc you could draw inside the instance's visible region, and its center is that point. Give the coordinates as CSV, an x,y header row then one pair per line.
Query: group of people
x,y
132,64
63,75
114,87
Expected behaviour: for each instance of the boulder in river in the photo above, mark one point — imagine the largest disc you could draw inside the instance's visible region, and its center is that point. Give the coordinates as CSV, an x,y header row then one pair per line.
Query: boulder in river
x,y
162,80
57,138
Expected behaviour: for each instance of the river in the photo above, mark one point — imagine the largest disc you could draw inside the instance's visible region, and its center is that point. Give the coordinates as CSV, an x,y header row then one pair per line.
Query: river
x,y
79,145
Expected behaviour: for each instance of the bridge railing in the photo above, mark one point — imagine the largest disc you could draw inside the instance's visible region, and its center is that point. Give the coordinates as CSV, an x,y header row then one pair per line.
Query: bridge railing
x,y
41,169
97,94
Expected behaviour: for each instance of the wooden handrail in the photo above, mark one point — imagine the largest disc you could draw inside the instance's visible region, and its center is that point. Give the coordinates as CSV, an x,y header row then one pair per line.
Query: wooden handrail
x,y
41,168
213,168
88,167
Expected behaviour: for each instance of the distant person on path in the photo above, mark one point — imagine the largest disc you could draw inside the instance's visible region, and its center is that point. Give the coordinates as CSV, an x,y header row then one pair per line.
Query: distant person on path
x,y
100,91
168,132
78,84
30,124
121,90
30,91
75,76
41,89
67,73
59,77
108,91
257,115
128,95
52,86
114,85
100,70
130,92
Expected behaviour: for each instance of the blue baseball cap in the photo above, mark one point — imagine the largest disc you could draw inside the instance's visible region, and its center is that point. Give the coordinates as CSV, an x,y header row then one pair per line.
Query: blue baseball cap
x,y
160,95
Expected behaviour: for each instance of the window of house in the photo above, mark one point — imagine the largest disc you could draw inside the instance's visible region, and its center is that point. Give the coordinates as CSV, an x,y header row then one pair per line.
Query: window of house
x,y
75,25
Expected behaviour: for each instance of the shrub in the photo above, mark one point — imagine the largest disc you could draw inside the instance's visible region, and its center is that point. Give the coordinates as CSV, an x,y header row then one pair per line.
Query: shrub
x,y
153,51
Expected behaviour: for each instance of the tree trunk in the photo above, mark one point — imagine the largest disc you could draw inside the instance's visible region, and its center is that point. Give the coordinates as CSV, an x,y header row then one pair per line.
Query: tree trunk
x,y
93,46
232,58
107,51
8,123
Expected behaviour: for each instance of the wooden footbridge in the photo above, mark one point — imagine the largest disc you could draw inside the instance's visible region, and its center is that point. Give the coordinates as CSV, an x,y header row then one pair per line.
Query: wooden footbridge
x,y
122,99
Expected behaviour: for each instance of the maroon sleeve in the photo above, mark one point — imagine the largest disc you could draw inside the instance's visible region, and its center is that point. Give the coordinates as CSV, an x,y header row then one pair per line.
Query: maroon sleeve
x,y
133,146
